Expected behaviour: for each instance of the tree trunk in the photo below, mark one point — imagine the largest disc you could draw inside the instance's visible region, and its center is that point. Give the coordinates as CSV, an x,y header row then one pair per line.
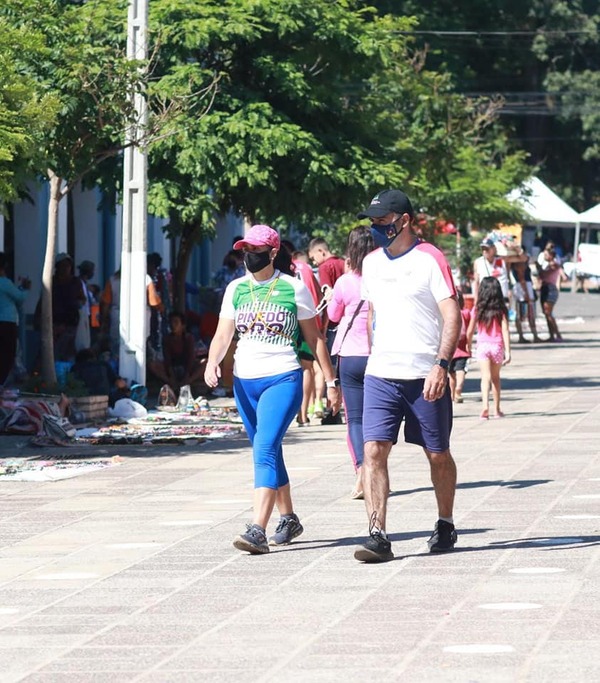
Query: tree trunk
x,y
184,254
47,338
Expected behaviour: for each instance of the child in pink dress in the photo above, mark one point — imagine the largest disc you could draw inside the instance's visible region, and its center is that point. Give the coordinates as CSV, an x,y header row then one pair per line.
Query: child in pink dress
x,y
493,341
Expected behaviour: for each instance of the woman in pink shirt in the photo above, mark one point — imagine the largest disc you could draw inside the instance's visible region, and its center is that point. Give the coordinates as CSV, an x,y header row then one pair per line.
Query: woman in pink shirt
x,y
493,341
351,343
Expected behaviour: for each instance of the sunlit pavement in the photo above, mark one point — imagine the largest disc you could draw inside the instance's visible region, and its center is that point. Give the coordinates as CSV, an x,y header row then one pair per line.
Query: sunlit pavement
x,y
129,574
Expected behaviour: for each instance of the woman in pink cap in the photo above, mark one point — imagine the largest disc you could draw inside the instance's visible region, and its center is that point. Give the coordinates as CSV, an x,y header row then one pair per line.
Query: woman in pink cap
x,y
267,308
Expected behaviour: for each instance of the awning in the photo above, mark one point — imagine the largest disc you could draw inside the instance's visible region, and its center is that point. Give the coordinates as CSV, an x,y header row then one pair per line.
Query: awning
x,y
591,216
543,205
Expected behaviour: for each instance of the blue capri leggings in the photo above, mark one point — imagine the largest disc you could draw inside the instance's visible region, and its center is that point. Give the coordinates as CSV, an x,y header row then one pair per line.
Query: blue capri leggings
x,y
352,378
267,406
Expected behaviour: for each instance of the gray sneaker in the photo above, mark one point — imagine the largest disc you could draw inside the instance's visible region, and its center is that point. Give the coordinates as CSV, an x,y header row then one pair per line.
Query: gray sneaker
x,y
287,530
254,541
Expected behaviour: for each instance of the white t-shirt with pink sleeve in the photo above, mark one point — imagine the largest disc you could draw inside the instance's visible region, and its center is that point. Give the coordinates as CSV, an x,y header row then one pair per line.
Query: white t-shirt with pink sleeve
x,y
341,308
405,291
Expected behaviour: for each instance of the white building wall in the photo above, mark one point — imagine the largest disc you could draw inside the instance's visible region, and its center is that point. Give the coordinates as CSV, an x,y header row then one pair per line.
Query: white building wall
x,y
88,229
30,225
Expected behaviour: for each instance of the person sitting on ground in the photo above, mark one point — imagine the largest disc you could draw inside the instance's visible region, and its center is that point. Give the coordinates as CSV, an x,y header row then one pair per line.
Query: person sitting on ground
x,y
99,377
179,365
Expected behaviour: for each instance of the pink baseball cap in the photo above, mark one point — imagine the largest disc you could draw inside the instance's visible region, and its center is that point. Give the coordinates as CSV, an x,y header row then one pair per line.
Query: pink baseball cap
x,y
259,236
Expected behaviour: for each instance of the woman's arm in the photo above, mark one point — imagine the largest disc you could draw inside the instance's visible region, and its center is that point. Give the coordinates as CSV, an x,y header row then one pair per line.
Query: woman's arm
x,y
317,345
336,307
218,349
370,326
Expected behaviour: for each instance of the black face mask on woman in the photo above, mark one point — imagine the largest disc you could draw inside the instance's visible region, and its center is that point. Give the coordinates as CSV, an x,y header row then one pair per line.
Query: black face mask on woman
x,y
257,260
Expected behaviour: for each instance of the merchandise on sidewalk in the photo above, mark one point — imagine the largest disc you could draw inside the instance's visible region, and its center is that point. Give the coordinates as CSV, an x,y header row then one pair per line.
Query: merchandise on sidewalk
x,y
51,470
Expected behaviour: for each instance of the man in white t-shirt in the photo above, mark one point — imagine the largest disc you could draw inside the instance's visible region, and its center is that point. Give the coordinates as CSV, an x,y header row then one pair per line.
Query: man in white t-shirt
x,y
415,323
489,264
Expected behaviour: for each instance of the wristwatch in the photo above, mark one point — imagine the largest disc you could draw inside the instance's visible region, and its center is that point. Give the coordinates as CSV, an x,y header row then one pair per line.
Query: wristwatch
x,y
442,362
333,384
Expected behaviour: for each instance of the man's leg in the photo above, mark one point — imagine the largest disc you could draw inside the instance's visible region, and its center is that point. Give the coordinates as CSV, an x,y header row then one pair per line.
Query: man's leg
x,y
376,487
376,481
443,478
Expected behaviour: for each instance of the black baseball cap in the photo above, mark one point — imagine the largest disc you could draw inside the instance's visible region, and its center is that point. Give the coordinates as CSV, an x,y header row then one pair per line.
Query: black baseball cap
x,y
388,201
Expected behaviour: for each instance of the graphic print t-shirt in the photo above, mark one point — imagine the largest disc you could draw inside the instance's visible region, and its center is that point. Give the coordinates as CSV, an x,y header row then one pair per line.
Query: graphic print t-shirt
x,y
266,318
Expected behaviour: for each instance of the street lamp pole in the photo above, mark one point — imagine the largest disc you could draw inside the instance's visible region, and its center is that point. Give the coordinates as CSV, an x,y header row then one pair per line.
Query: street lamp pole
x,y
133,322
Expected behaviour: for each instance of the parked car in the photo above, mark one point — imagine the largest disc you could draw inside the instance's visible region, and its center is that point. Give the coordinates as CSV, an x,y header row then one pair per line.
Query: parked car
x,y
588,262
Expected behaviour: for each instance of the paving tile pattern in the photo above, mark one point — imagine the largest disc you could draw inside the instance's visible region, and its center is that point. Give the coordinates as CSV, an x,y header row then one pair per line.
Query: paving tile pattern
x,y
128,574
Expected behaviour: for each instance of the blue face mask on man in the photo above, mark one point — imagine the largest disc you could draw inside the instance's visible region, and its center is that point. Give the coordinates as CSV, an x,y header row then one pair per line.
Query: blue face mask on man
x,y
384,235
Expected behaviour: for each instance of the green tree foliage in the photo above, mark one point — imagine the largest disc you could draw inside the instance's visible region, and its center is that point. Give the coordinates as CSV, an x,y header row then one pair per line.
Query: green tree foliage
x,y
541,60
25,112
299,112
82,67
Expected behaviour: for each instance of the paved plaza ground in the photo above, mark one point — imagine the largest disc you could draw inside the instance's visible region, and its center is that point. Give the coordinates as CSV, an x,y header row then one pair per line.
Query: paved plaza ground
x,y
128,574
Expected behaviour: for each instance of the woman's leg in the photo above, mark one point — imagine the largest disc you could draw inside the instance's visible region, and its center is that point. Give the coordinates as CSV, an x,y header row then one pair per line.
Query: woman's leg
x,y
275,408
452,384
319,390
352,380
531,318
460,383
308,389
485,367
495,380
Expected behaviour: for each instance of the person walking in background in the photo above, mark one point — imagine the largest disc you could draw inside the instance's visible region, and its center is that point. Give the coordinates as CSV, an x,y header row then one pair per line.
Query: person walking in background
x,y
493,341
412,299
11,298
490,264
268,307
550,272
307,361
524,297
349,311
329,269
458,365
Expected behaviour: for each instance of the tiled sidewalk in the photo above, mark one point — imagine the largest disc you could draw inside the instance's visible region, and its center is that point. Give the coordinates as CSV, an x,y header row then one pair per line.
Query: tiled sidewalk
x,y
128,574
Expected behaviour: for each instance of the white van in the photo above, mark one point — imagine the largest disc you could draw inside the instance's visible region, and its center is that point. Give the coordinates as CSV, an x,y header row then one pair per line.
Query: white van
x,y
588,261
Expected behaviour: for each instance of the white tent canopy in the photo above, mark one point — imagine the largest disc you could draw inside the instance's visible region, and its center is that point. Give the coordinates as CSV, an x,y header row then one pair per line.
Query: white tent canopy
x,y
543,205
591,216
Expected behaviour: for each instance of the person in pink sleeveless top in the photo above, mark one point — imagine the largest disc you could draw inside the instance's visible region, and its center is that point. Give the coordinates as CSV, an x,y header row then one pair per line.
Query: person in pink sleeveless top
x,y
493,341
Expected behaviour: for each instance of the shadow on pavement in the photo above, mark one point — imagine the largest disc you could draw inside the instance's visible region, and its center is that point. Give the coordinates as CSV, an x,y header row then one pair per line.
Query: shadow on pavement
x,y
517,484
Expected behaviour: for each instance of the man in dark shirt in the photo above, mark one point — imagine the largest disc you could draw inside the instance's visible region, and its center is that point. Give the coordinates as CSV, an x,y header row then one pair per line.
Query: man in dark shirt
x,y
329,269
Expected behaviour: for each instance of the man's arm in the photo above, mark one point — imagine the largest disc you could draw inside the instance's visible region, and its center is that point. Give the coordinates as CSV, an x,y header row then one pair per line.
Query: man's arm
x,y
436,380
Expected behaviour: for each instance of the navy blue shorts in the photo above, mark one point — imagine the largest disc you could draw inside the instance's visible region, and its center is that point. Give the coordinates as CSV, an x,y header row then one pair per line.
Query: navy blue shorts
x,y
389,401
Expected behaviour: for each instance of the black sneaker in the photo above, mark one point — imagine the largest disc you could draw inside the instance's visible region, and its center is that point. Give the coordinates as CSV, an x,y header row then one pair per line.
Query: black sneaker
x,y
287,530
377,548
253,541
443,538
